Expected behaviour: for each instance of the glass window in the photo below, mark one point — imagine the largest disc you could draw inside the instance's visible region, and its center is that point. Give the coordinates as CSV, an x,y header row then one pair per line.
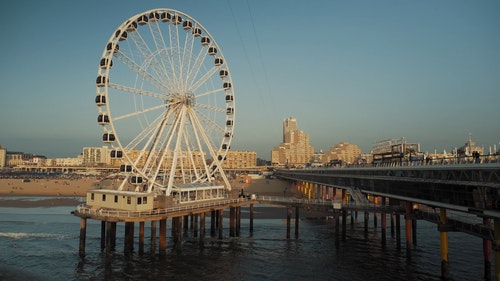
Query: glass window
x,y
139,200
144,200
104,197
129,200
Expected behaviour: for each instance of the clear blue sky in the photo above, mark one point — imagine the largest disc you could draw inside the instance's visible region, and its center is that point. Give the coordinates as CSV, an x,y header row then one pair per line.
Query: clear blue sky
x,y
356,71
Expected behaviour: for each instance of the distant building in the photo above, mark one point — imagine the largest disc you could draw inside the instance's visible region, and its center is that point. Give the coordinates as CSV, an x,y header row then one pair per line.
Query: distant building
x,y
3,157
394,150
240,159
469,147
343,152
96,156
14,158
295,149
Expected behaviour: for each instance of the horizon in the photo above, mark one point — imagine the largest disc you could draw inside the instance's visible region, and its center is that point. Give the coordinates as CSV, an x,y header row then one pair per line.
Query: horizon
x,y
358,72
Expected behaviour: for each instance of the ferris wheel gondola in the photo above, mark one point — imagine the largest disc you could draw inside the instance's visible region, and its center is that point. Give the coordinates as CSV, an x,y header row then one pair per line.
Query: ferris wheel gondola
x,y
165,102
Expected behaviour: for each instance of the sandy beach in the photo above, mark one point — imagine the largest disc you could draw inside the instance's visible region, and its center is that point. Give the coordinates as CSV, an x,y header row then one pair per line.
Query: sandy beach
x,y
58,192
70,192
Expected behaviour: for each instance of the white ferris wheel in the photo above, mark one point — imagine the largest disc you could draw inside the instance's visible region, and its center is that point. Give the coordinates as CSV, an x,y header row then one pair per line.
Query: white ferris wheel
x,y
165,102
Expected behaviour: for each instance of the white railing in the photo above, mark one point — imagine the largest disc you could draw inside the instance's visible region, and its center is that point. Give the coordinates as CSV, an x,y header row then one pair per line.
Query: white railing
x,y
291,200
84,209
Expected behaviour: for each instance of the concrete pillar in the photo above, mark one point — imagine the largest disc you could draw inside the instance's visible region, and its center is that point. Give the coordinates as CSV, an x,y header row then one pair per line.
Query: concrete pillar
x,y
163,236
383,223
398,231
83,236
444,245
344,224
153,237
487,247
367,218
202,225
392,224
113,236
185,225
232,221
414,230
128,243
194,221
141,237
213,220
110,236
251,219
288,219
336,215
221,228
496,227
238,221
297,222
408,228
103,235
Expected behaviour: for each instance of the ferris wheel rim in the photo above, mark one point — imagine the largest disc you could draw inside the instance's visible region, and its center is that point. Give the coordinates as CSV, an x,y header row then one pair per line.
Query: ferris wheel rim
x,y
104,72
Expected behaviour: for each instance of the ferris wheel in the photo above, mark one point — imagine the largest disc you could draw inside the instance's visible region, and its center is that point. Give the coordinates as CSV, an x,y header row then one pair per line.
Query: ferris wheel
x,y
165,102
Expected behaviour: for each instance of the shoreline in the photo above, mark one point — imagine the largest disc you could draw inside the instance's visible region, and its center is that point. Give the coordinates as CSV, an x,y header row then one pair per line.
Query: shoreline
x,y
72,192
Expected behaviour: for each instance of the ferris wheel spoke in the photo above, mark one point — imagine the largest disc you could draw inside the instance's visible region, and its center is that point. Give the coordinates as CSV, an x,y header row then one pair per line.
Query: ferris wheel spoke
x,y
147,56
190,154
136,91
142,72
143,134
192,117
185,62
156,143
173,57
159,43
203,79
209,122
139,112
214,91
205,138
194,71
211,107
180,128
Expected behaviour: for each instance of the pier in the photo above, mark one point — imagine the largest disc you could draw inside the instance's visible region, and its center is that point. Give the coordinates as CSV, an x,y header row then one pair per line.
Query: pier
x,y
455,197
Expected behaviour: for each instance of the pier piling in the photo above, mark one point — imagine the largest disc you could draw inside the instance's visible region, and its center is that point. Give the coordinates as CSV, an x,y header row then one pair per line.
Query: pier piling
x,y
83,234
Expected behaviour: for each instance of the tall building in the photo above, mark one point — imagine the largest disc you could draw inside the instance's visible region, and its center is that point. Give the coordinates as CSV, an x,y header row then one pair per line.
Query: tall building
x,y
289,128
295,149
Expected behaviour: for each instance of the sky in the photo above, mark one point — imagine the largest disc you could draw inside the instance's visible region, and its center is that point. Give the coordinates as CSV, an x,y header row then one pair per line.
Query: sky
x,y
355,71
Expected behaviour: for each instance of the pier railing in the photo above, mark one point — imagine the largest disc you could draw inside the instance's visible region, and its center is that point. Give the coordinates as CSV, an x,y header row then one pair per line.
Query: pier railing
x,y
83,209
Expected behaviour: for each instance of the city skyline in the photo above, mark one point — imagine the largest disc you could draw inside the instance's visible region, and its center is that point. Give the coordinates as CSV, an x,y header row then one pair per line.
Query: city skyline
x,y
358,72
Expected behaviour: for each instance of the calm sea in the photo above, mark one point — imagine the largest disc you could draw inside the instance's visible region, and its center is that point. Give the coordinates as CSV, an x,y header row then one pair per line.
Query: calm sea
x,y
42,244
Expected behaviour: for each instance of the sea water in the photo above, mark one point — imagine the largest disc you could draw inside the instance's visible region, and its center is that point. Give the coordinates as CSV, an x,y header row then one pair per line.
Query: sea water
x,y
42,244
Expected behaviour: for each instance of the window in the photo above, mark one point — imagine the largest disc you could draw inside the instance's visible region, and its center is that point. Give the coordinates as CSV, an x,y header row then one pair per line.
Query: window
x,y
116,198
104,197
92,196
144,200
129,200
139,200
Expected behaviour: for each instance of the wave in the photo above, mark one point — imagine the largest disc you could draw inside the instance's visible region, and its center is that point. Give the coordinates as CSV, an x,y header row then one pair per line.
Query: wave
x,y
24,235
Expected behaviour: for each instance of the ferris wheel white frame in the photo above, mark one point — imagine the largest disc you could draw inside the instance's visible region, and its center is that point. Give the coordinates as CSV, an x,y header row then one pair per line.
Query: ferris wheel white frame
x,y
165,102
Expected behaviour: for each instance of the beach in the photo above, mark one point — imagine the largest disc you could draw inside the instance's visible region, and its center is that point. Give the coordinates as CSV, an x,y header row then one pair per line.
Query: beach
x,y
15,192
